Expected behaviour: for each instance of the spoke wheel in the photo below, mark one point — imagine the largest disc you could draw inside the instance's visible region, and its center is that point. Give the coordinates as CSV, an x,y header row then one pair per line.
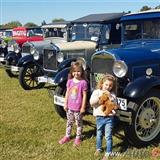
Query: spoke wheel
x,y
28,77
146,120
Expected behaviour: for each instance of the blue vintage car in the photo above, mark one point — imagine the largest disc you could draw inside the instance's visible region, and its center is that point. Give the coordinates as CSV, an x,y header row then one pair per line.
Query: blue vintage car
x,y
136,66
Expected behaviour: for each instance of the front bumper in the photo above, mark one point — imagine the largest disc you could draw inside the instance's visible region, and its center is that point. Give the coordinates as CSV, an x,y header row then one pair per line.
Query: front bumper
x,y
46,79
124,116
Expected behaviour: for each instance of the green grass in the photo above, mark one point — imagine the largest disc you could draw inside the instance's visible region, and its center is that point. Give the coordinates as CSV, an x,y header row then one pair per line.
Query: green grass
x,y
30,129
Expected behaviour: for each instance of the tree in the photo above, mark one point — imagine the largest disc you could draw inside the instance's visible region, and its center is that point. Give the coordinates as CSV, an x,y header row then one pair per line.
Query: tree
x,y
158,7
30,24
145,8
58,20
12,24
43,22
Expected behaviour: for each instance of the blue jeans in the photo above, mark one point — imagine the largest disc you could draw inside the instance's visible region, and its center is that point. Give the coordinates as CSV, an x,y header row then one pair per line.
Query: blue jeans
x,y
104,125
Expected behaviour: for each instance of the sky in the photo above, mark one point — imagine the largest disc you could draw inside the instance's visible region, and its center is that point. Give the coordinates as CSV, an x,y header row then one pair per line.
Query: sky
x,y
38,10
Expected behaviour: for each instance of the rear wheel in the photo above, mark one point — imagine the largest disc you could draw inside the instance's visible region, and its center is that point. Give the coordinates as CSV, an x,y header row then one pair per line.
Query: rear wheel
x,y
146,120
11,74
28,77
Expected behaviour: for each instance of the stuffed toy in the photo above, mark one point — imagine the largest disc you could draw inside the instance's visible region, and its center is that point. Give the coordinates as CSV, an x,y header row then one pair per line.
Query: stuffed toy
x,y
107,104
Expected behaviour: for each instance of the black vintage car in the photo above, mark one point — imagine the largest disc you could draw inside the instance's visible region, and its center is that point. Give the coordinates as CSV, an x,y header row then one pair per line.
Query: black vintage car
x,y
136,66
89,33
3,50
30,66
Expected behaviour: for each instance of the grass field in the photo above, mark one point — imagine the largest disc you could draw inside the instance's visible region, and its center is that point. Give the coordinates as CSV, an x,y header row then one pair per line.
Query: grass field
x,y
30,129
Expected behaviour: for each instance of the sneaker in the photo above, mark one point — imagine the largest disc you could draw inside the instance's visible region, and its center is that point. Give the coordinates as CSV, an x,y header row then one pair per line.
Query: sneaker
x,y
77,142
97,152
105,157
64,140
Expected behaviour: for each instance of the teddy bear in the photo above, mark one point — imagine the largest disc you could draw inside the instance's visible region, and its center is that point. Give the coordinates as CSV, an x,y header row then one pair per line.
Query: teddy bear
x,y
107,104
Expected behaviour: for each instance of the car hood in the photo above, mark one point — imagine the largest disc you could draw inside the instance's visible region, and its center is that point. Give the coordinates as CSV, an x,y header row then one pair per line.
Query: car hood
x,y
137,52
77,45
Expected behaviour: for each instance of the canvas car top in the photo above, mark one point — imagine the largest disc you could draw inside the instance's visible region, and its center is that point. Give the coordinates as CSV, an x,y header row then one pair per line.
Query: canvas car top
x,y
99,18
62,24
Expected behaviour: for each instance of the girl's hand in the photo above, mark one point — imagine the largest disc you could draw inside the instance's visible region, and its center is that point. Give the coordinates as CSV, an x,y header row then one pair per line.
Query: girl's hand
x,y
65,108
82,110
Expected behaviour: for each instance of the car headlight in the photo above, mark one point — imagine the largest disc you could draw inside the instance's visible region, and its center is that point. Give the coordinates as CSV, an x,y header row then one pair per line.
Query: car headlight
x,y
33,50
16,48
120,69
36,55
10,48
3,44
59,57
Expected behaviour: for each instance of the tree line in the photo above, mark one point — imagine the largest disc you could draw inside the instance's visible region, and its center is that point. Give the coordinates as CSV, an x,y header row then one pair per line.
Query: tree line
x,y
14,24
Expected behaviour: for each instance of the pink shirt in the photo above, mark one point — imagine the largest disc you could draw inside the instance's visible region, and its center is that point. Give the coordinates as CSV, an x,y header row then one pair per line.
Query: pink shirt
x,y
75,94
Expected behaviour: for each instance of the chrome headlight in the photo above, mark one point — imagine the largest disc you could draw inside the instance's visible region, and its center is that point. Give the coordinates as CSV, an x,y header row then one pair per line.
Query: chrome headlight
x,y
36,55
33,50
120,69
59,57
3,43
16,48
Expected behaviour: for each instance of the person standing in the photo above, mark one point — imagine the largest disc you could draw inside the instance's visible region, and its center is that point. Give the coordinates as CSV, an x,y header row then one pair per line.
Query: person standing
x,y
75,102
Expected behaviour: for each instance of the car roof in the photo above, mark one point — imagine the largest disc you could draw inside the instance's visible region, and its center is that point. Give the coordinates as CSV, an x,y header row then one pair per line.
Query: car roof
x,y
61,24
149,14
99,18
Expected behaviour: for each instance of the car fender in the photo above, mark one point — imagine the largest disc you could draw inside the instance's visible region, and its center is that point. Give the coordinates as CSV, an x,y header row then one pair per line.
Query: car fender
x,y
23,61
61,76
141,86
66,63
12,56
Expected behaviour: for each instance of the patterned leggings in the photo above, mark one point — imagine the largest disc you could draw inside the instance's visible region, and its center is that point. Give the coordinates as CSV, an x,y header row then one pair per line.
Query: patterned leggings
x,y
71,117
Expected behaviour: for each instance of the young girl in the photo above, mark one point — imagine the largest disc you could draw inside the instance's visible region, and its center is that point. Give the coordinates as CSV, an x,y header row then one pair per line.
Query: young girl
x,y
103,123
75,101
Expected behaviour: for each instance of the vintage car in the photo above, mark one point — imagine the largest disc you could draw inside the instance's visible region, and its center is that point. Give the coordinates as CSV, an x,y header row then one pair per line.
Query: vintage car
x,y
20,36
89,33
3,50
136,66
5,37
30,66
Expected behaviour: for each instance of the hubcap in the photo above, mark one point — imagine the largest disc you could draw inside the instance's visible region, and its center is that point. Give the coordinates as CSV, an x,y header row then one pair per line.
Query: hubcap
x,y
147,118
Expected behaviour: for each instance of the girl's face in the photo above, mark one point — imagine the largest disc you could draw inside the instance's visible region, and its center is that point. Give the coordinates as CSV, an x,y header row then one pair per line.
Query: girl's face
x,y
107,85
77,73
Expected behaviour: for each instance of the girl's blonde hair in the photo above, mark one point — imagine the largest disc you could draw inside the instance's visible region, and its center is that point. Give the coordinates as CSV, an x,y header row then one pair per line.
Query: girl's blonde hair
x,y
74,66
104,78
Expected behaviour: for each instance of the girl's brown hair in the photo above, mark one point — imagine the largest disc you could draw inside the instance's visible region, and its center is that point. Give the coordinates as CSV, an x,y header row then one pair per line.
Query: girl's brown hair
x,y
104,78
75,65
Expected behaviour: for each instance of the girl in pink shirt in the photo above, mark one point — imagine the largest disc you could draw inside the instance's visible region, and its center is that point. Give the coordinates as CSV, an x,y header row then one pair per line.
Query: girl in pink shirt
x,y
75,101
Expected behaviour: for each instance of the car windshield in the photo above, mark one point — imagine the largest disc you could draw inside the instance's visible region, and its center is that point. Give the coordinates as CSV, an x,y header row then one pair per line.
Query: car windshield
x,y
89,31
149,29
8,33
35,32
54,32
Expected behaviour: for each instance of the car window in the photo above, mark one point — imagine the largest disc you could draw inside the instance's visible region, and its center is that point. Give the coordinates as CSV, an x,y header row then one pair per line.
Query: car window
x,y
149,29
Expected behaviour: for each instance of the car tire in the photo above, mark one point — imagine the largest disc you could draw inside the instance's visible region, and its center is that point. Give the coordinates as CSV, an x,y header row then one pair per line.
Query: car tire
x,y
28,77
11,74
145,127
60,91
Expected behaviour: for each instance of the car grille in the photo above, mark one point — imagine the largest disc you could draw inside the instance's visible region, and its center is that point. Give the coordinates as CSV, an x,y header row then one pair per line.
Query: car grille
x,y
26,49
100,66
49,60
